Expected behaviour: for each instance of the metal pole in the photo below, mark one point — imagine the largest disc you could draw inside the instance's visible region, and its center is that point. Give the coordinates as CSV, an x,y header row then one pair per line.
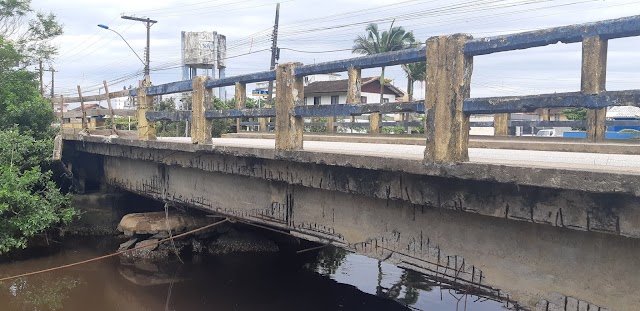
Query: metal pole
x,y
274,52
147,78
148,22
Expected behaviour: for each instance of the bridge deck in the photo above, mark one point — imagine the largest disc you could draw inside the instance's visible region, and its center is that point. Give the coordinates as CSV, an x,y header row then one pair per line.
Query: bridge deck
x,y
627,164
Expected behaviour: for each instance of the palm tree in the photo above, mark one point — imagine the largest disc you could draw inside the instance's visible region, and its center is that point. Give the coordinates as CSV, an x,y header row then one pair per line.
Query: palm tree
x,y
415,72
374,42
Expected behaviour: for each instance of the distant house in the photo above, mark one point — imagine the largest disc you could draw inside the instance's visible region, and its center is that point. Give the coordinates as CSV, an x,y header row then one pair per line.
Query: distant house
x,y
93,122
623,113
332,92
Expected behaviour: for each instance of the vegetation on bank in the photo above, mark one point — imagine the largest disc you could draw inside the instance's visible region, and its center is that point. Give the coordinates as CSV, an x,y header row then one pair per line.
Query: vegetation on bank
x,y
30,201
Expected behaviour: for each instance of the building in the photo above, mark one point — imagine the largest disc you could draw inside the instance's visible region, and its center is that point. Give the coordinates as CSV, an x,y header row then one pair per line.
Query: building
x,y
319,91
93,122
623,113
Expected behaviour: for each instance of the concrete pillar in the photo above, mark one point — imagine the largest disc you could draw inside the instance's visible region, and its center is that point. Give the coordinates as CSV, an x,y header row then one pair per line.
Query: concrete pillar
x,y
290,90
501,124
354,89
375,119
241,100
146,129
200,126
448,84
594,77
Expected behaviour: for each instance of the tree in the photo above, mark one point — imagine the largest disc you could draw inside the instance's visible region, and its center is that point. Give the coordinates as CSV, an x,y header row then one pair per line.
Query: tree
x,y
30,201
375,42
32,33
415,72
575,114
20,102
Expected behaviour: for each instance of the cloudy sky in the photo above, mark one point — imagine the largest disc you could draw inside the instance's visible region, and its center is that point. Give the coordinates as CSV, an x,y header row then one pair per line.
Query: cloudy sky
x,y
322,30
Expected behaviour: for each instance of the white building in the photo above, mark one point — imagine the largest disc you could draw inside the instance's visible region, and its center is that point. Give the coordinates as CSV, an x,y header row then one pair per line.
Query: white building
x,y
331,91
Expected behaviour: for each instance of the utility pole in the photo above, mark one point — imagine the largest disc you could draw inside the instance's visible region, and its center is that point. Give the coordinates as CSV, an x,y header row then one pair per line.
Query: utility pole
x,y
148,22
52,80
275,53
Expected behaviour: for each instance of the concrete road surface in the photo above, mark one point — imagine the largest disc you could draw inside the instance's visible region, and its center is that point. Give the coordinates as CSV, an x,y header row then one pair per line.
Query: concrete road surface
x,y
620,163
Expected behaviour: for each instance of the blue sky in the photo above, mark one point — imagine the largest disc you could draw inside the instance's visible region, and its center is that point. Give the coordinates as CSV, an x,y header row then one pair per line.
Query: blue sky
x,y
89,54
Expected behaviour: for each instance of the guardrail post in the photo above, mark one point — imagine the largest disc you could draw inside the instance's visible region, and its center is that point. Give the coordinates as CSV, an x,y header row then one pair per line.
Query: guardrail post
x,y
501,124
290,90
108,96
594,77
84,112
448,84
146,128
200,126
241,100
354,88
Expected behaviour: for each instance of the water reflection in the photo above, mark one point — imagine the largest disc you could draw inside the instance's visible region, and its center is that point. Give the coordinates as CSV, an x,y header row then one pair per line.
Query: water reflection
x,y
331,279
43,292
412,289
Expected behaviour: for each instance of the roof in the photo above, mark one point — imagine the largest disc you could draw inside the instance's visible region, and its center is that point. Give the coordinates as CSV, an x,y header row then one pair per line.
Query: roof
x,y
623,112
341,86
88,106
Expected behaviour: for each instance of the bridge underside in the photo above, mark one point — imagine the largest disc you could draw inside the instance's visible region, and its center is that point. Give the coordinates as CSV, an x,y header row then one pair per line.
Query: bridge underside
x,y
551,248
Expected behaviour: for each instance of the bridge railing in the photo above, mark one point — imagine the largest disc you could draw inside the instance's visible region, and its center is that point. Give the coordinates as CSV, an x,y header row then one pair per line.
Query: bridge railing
x,y
447,106
89,117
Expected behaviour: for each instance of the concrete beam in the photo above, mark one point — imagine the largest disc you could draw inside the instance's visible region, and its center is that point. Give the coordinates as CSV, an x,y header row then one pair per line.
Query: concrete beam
x,y
290,90
594,78
200,126
608,29
532,103
448,85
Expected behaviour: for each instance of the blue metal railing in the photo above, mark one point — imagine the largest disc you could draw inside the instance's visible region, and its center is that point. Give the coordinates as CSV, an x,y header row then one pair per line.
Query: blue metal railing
x,y
609,29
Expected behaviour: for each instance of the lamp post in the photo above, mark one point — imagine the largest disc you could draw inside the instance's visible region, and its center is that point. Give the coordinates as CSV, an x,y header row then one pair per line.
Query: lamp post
x,y
149,23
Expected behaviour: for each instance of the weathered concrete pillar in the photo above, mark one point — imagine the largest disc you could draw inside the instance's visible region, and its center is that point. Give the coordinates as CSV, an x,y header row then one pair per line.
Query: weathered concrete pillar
x,y
594,77
448,84
146,128
375,122
241,100
330,125
354,88
501,124
290,90
200,126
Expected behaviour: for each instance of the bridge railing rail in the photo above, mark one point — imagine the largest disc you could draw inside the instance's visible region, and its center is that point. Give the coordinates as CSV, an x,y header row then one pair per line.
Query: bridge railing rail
x,y
447,106
88,116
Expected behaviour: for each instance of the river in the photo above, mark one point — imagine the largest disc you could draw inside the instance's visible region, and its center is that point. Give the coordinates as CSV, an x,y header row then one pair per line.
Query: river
x,y
329,279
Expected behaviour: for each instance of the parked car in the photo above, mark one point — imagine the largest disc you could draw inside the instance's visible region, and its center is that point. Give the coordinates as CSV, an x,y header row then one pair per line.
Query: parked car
x,y
553,132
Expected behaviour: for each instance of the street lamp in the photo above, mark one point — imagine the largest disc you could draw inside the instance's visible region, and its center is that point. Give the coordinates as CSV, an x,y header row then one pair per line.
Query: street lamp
x,y
149,23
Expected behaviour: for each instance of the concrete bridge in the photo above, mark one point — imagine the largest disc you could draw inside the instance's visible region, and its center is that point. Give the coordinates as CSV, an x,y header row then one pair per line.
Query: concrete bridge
x,y
536,229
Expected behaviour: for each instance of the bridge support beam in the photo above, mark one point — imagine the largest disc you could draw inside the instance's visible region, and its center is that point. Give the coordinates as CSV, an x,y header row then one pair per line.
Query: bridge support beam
x,y
354,88
290,90
200,126
146,128
501,124
594,77
241,100
448,84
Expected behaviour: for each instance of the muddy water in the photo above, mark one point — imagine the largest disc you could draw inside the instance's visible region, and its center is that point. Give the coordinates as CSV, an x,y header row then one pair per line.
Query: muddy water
x,y
330,279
